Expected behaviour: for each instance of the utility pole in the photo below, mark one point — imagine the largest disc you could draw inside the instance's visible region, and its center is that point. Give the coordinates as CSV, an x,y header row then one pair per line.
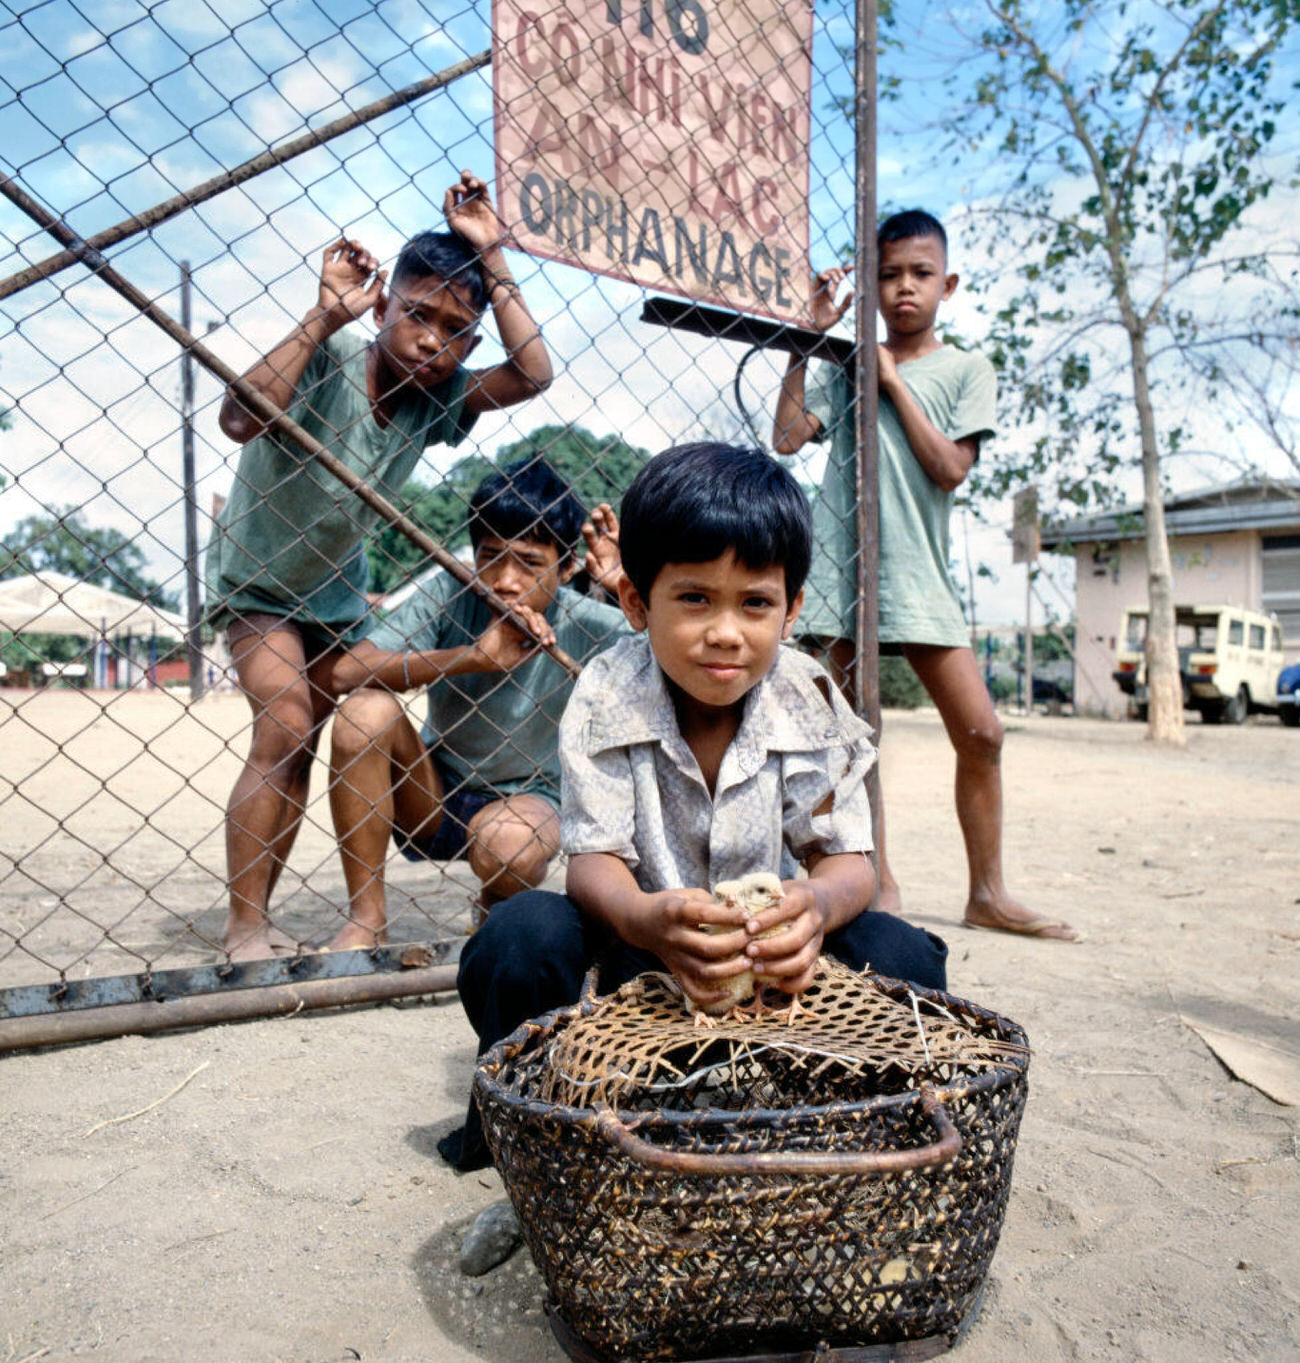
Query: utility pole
x,y
192,596
1029,638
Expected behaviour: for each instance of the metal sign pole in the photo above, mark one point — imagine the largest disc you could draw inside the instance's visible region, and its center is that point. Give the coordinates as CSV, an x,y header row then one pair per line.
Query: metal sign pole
x,y
194,643
866,671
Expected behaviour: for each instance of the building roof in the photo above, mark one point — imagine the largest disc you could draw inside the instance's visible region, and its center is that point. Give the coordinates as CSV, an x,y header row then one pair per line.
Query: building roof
x,y
1249,504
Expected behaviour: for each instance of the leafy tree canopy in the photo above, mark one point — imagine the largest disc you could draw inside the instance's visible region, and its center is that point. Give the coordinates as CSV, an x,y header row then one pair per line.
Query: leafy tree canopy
x,y
1121,152
599,468
1130,149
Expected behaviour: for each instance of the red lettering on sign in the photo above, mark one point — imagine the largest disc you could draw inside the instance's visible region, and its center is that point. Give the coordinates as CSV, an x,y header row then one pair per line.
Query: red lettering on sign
x,y
718,97
528,20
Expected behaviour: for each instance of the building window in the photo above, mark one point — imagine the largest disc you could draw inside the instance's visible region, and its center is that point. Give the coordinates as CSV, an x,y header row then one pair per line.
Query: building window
x,y
1105,561
1280,588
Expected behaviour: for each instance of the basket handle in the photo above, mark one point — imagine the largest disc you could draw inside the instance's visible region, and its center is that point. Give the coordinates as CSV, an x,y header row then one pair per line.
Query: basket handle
x,y
797,1162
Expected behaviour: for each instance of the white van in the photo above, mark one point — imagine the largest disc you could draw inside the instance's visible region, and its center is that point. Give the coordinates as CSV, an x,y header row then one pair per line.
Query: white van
x,y
1228,658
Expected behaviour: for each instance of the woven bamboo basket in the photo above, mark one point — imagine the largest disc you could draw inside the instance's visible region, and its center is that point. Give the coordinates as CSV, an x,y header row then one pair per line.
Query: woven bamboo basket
x,y
759,1187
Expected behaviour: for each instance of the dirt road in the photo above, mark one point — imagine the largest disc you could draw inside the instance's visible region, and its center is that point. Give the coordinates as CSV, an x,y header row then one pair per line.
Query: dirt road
x,y
287,1202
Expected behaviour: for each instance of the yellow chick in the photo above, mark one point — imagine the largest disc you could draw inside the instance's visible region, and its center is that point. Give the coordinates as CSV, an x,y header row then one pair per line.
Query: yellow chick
x,y
752,893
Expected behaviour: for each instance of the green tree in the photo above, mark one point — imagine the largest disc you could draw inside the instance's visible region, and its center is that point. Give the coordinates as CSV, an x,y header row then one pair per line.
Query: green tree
x,y
900,687
598,467
1131,141
442,509
66,542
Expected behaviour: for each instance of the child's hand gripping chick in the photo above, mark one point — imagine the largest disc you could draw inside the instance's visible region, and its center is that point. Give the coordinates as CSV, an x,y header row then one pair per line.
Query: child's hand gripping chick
x,y
752,894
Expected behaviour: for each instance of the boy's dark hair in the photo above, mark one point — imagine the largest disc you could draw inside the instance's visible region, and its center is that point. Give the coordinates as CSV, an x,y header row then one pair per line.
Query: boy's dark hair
x,y
913,222
448,256
694,502
527,500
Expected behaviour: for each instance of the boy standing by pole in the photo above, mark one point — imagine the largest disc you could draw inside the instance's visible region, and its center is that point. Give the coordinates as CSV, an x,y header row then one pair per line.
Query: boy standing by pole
x,y
286,569
937,403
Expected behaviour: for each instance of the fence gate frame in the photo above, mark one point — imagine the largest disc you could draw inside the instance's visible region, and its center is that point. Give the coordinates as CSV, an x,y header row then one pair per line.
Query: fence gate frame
x,y
68,1011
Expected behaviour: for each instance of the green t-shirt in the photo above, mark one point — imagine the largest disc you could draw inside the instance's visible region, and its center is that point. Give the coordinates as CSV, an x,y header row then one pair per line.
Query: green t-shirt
x,y
496,731
957,391
289,541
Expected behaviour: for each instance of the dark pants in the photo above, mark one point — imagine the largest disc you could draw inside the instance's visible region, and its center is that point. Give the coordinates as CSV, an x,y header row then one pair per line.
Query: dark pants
x,y
534,949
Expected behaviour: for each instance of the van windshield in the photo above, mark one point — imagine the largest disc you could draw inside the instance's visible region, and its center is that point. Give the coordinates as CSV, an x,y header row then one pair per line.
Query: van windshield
x,y
1193,632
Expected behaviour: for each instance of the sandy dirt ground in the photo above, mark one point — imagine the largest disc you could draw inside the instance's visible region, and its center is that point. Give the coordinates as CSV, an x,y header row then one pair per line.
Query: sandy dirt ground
x,y
287,1201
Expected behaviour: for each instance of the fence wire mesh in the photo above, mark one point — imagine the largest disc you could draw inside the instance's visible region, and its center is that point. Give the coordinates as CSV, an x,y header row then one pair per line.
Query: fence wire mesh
x,y
158,798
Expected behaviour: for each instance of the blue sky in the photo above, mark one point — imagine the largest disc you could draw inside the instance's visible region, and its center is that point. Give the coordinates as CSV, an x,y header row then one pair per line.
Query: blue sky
x,y
107,108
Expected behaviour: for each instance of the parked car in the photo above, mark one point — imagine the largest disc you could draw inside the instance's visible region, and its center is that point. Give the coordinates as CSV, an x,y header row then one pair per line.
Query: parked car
x,y
1288,695
1228,659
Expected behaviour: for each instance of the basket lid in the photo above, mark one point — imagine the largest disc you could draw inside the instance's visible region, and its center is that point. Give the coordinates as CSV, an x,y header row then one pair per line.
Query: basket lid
x,y
857,1037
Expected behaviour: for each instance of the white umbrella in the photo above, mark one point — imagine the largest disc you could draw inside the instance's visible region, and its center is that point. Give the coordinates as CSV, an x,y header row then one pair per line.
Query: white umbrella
x,y
54,603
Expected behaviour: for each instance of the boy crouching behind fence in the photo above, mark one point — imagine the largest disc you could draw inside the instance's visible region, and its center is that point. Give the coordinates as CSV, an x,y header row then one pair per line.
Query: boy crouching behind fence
x,y
287,570
696,752
482,779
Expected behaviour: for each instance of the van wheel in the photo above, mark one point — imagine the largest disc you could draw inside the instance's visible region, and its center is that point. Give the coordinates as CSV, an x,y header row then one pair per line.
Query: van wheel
x,y
1212,712
1140,711
1290,716
1236,710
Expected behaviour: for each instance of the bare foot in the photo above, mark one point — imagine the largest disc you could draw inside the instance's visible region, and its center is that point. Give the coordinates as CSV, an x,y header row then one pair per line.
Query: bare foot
x,y
358,937
281,943
1010,916
249,944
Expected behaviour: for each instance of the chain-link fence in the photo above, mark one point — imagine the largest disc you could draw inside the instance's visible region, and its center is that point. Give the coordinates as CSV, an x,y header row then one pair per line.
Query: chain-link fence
x,y
215,759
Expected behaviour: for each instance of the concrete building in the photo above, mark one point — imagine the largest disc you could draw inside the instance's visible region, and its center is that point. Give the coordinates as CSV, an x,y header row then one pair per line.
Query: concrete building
x,y
1237,544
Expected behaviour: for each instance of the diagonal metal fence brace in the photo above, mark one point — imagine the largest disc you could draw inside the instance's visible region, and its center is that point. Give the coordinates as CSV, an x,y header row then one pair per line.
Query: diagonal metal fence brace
x,y
269,412
276,156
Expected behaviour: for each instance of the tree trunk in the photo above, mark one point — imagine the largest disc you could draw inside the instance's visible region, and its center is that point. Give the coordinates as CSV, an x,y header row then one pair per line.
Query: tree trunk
x,y
1165,688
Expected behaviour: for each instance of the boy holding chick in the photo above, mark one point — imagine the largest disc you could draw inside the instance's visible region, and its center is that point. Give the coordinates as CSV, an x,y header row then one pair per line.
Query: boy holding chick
x,y
697,752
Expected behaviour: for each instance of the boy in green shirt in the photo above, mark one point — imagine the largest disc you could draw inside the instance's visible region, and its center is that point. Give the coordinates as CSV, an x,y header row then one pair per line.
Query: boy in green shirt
x,y
481,779
286,568
936,405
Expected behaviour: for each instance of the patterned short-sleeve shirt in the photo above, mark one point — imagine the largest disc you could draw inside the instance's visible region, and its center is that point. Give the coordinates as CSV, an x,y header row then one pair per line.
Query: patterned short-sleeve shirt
x,y
631,786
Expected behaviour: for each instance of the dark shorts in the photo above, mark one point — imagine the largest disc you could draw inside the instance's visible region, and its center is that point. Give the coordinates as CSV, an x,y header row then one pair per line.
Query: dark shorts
x,y
317,640
452,835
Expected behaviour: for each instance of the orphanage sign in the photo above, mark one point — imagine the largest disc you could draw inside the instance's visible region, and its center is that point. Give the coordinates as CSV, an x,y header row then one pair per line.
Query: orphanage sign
x,y
660,141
